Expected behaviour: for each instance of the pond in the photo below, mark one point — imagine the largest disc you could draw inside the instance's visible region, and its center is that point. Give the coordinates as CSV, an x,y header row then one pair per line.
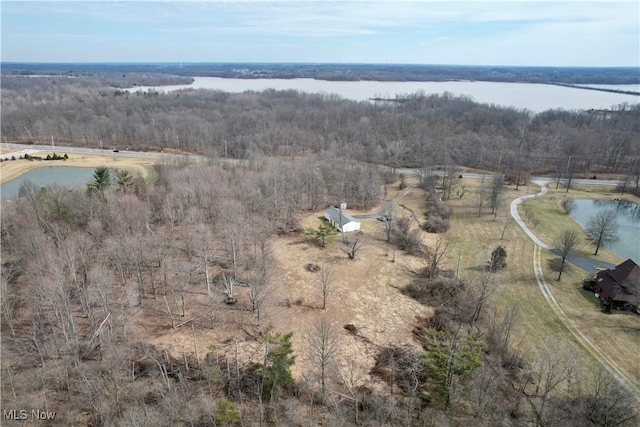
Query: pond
x,y
47,176
628,219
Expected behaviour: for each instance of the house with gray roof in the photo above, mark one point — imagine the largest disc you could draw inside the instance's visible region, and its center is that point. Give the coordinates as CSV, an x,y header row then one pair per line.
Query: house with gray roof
x,y
341,220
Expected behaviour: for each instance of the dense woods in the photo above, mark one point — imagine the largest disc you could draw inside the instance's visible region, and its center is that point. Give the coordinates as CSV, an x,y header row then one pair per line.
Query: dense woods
x,y
416,130
91,275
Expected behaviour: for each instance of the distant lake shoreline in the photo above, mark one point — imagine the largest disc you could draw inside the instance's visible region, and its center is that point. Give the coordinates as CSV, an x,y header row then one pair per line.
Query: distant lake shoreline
x,y
535,97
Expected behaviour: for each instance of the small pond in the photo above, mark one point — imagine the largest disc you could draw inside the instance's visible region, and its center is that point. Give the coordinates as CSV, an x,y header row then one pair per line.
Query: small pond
x,y
46,176
628,219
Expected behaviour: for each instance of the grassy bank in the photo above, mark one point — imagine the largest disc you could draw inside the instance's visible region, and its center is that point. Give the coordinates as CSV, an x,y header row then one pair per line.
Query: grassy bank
x,y
12,169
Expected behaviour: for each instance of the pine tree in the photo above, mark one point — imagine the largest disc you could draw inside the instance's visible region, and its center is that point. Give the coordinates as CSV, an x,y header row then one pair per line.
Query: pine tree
x,y
124,180
448,358
101,180
324,232
276,369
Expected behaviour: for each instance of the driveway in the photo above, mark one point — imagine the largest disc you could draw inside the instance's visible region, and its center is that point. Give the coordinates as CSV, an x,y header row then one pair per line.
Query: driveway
x,y
585,263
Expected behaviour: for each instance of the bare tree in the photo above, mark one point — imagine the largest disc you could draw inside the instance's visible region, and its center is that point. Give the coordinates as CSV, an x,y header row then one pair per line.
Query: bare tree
x,y
481,195
566,244
483,289
323,349
229,289
259,283
497,187
606,403
554,367
602,228
326,280
353,244
436,254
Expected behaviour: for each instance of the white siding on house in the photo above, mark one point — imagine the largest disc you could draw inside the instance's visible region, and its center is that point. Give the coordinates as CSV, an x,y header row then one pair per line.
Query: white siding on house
x,y
340,220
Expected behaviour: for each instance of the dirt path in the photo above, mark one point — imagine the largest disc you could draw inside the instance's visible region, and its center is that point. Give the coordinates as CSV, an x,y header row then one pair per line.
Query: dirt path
x,y
548,295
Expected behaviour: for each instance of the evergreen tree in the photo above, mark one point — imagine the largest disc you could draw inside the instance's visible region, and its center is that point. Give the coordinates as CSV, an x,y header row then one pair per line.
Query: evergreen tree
x,y
276,369
448,358
124,180
324,232
498,259
101,180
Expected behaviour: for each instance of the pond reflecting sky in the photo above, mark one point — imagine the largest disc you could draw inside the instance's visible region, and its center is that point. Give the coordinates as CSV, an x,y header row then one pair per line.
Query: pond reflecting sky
x,y
628,219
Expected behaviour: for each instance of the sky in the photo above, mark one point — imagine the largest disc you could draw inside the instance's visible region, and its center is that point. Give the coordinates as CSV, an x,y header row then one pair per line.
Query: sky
x,y
513,32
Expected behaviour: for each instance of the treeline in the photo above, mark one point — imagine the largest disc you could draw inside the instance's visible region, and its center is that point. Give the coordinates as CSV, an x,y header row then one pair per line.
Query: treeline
x,y
420,130
348,72
117,79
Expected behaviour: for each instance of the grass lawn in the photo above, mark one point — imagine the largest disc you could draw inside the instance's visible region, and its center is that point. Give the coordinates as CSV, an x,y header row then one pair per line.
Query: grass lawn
x,y
473,238
14,168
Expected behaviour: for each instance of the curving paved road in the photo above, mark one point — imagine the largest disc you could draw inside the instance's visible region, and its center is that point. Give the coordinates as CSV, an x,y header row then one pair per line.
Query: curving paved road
x,y
622,378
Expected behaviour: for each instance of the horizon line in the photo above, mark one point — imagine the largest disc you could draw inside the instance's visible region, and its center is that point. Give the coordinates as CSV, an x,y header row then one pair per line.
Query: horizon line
x,y
387,64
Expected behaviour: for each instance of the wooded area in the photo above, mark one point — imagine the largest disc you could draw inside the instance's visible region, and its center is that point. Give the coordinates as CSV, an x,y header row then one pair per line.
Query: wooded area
x,y
416,130
90,275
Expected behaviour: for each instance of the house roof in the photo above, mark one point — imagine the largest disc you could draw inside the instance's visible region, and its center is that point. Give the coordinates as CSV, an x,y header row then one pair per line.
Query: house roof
x,y
338,217
621,282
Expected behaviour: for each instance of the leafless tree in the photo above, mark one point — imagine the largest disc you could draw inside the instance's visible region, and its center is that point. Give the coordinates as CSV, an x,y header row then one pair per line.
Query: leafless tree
x,y
496,190
483,288
500,334
326,280
204,243
229,288
602,228
481,195
323,350
604,402
555,366
260,285
353,244
566,244
436,254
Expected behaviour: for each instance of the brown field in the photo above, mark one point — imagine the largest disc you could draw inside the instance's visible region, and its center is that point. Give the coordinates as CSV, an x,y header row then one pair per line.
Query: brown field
x,y
11,169
365,293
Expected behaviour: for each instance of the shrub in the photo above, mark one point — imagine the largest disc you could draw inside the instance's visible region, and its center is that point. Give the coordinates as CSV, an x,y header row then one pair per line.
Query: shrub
x,y
405,237
437,215
435,224
435,290
498,259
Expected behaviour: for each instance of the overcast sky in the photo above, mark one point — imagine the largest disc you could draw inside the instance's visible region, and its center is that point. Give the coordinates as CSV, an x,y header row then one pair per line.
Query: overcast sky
x,y
565,33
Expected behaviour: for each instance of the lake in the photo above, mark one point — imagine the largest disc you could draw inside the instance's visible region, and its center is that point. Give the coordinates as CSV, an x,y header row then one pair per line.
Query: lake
x,y
628,218
46,176
523,96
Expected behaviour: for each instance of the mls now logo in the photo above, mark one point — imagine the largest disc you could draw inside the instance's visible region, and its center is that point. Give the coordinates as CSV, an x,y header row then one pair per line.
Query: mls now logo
x,y
23,414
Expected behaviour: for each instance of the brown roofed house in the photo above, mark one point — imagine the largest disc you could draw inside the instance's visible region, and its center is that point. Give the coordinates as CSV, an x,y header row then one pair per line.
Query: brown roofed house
x,y
620,286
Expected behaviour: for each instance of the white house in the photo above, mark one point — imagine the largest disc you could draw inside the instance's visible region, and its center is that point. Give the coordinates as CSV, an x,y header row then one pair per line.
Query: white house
x,y
340,220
